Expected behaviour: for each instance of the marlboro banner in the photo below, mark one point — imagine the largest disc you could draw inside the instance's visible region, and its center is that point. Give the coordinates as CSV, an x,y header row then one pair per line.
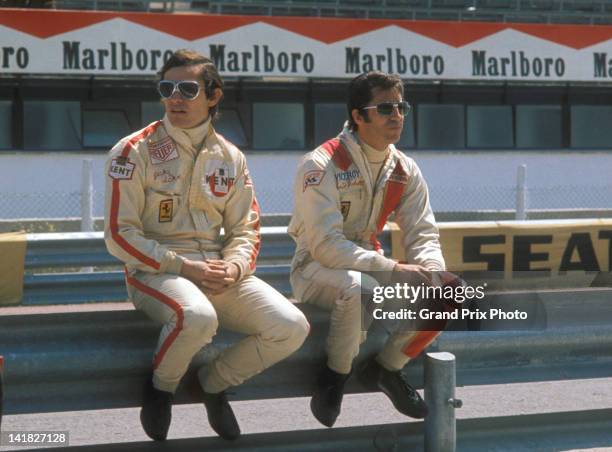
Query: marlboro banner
x,y
109,43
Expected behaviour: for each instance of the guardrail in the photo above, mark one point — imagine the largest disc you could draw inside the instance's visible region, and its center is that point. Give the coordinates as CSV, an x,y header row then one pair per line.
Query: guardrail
x,y
54,260
52,365
48,251
94,360
80,249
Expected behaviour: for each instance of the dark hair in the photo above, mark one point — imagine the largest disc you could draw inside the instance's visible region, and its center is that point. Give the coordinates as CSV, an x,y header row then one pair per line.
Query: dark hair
x,y
361,91
209,75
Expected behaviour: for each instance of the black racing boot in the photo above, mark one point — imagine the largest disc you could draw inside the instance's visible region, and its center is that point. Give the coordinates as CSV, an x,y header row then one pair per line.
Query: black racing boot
x,y
327,398
394,384
220,415
156,412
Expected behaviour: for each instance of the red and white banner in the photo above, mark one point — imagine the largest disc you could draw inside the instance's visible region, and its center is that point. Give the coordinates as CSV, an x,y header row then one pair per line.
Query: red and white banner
x,y
109,43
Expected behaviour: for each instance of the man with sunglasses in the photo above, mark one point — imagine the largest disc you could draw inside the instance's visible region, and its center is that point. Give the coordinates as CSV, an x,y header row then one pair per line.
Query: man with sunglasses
x,y
344,192
170,188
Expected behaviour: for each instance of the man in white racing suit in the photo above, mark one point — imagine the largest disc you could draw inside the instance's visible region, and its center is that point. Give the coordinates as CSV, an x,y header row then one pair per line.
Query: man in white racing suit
x,y
344,192
170,188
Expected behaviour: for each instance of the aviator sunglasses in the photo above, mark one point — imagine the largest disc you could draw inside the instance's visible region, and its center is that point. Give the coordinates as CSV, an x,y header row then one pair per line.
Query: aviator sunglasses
x,y
386,108
188,89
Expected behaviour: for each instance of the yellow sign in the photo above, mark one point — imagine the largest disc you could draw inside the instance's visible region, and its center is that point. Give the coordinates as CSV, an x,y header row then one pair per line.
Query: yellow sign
x,y
12,250
542,245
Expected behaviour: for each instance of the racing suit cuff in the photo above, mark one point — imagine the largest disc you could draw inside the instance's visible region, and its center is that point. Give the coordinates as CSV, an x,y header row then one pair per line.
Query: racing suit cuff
x,y
171,263
242,266
433,265
381,263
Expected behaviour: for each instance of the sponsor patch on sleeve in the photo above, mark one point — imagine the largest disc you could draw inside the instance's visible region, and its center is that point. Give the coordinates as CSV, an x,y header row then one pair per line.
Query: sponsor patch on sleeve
x,y
166,207
121,168
312,178
162,151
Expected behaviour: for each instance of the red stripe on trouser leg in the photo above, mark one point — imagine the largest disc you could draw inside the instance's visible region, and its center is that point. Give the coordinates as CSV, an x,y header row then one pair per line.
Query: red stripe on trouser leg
x,y
420,341
177,308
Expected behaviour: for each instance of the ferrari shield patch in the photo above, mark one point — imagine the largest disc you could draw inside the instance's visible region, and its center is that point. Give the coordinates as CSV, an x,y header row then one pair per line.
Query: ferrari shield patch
x,y
166,208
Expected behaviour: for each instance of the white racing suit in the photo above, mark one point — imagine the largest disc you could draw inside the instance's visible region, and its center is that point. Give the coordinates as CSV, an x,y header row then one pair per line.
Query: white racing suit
x,y
336,219
166,201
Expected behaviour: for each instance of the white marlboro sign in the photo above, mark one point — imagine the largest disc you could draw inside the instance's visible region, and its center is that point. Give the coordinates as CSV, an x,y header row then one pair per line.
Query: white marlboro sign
x,y
112,43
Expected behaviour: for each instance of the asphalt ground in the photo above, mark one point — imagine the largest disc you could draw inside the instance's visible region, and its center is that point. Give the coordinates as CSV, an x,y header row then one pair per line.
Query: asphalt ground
x,y
119,429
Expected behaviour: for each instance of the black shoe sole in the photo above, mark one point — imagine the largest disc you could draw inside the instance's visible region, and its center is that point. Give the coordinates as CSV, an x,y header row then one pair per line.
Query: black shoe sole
x,y
154,435
327,422
371,383
229,436
226,436
412,414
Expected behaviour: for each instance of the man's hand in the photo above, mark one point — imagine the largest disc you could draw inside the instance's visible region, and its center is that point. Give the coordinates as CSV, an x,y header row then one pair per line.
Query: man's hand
x,y
212,275
232,273
413,274
417,274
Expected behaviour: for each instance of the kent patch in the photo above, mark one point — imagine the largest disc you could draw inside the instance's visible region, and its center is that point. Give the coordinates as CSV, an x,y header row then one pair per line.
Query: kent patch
x,y
166,208
121,168
162,151
313,178
345,207
218,178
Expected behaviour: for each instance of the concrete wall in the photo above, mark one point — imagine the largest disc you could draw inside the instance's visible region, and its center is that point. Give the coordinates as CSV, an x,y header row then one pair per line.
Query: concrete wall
x,y
43,185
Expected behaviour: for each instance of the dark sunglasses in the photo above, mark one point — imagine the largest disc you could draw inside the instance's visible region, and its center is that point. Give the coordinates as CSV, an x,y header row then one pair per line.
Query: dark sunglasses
x,y
188,89
386,108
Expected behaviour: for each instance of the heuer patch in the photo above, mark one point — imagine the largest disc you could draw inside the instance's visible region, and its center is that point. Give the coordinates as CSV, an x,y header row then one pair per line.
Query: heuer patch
x,y
162,151
121,168
313,178
218,177
345,207
166,208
